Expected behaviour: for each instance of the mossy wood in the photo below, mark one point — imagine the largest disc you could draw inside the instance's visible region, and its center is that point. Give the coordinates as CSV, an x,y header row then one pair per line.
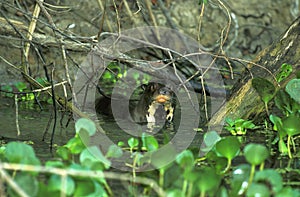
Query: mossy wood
x,y
244,101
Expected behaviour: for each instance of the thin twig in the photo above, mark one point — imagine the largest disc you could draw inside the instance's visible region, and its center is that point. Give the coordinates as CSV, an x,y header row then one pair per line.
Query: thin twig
x,y
31,29
9,180
84,173
17,115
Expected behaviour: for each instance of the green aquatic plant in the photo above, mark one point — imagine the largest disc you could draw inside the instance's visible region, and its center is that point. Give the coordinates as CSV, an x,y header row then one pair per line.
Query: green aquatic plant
x,y
132,143
228,147
265,89
213,175
24,91
255,154
285,103
238,126
288,102
293,89
281,133
286,127
291,125
285,71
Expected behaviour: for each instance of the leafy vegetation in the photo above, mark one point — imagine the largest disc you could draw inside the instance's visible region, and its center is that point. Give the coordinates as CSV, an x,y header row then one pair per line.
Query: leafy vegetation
x,y
239,126
287,101
78,170
83,171
24,91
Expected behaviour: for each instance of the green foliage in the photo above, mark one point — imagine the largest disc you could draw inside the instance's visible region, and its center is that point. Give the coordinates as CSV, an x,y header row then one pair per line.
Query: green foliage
x,y
256,154
293,89
28,184
186,160
85,124
240,176
258,189
133,143
113,73
271,177
288,101
18,152
265,89
239,126
149,142
186,176
55,183
90,158
21,87
286,70
210,139
203,2
228,147
208,181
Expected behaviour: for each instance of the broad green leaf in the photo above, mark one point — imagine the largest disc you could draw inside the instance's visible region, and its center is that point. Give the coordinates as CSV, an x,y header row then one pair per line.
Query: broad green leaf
x,y
185,159
276,122
54,164
210,139
282,146
114,151
228,147
291,125
64,153
85,124
18,152
21,86
27,183
288,192
286,70
88,188
133,142
272,177
149,142
43,81
55,184
162,157
175,193
7,88
256,154
293,89
84,187
92,155
240,176
75,145
229,121
208,180
283,101
264,88
258,189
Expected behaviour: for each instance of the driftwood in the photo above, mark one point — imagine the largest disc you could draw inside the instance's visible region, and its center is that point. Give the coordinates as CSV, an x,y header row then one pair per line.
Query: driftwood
x,y
15,30
244,101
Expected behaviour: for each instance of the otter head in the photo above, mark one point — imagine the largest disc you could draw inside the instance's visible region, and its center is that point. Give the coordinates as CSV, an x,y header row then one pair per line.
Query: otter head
x,y
155,105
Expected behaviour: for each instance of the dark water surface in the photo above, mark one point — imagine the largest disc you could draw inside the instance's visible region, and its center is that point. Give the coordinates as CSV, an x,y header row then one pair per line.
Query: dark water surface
x,y
32,123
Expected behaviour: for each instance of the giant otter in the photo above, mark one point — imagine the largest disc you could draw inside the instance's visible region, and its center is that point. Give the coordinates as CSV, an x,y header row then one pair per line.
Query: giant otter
x,y
156,104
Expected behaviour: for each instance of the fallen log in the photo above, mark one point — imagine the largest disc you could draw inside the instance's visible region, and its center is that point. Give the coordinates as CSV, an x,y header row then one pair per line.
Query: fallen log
x,y
244,101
